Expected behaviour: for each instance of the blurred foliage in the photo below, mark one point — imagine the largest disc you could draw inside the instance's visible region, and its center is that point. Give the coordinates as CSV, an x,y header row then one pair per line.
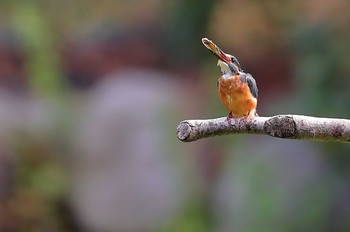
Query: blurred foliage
x,y
39,189
320,72
39,40
321,80
195,217
185,26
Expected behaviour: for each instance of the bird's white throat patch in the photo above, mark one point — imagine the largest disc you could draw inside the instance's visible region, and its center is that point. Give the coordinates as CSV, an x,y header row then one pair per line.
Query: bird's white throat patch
x,y
225,69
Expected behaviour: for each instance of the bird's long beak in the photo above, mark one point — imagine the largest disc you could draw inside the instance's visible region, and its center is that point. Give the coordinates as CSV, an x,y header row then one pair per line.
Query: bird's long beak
x,y
216,50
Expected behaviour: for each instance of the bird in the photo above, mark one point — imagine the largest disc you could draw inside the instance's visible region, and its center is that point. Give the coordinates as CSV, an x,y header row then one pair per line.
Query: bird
x,y
238,90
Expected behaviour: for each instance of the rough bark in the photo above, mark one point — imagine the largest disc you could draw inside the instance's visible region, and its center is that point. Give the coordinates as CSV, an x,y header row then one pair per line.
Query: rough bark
x,y
281,126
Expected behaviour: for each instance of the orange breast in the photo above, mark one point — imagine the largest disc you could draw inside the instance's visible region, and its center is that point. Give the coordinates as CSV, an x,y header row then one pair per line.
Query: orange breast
x,y
236,96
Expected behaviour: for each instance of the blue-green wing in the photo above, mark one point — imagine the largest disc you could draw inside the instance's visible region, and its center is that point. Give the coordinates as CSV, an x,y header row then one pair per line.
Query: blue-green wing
x,y
247,78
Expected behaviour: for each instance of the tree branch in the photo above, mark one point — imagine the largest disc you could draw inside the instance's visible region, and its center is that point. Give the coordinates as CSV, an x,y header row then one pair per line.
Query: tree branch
x,y
281,126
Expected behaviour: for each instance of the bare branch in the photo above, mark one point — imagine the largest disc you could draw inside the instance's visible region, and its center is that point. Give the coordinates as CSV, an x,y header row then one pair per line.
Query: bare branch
x,y
281,126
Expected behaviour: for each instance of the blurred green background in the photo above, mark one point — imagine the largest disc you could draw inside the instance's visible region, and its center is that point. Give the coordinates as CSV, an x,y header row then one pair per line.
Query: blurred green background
x,y
91,93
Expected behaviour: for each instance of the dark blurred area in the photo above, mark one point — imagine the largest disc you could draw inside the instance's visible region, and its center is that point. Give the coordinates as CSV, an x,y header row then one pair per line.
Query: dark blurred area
x,y
91,93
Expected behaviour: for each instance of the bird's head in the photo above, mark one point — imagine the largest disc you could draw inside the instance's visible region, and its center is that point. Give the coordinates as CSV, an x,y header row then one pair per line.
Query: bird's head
x,y
228,63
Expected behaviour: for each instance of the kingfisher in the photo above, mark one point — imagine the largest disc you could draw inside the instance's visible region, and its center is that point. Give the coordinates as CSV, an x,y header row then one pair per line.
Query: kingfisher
x,y
237,90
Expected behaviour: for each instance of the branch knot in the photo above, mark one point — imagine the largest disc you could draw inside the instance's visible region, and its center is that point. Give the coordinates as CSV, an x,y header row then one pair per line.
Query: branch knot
x,y
281,126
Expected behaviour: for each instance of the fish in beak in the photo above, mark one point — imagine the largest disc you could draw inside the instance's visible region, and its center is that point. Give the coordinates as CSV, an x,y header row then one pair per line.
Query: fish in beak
x,y
225,60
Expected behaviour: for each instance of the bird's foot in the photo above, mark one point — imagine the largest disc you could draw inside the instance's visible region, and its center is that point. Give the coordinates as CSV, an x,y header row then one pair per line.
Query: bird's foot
x,y
252,114
232,119
229,116
248,118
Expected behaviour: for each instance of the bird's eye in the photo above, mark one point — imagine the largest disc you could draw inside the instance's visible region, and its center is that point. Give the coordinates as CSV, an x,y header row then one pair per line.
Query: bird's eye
x,y
233,59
